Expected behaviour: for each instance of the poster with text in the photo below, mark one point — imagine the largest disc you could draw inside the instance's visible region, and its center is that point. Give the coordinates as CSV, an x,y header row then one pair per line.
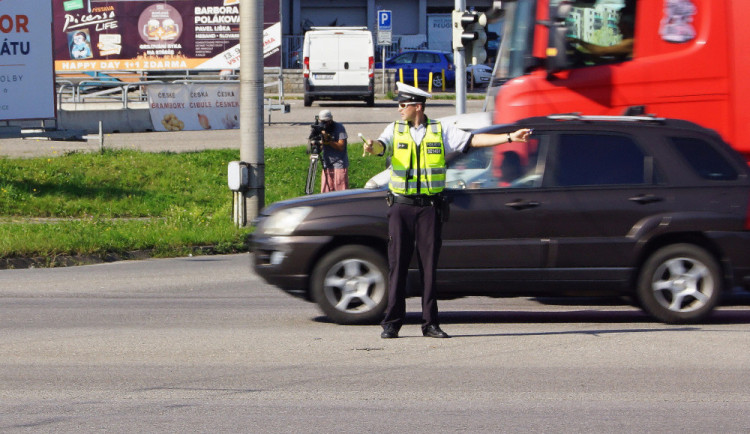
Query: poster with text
x,y
27,82
194,107
126,35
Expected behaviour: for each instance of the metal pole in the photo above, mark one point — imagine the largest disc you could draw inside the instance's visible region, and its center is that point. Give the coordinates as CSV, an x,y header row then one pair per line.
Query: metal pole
x,y
460,61
382,67
251,105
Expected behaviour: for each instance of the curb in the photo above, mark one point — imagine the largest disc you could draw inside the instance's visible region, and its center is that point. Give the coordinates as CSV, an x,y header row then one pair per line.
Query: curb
x,y
75,260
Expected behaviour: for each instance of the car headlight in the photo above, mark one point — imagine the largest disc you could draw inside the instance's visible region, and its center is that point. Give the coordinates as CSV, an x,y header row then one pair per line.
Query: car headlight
x,y
284,222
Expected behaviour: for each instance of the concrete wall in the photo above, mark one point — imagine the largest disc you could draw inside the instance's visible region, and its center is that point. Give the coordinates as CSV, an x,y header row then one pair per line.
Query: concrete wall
x,y
113,120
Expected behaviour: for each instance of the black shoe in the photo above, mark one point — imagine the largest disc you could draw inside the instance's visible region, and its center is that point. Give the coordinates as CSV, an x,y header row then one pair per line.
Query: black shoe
x,y
433,331
389,332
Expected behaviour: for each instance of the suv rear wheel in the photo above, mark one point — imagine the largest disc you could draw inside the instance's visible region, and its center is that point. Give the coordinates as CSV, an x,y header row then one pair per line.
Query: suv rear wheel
x,y
680,283
350,285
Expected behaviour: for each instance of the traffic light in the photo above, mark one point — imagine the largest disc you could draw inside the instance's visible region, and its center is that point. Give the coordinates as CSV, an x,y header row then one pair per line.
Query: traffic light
x,y
478,54
469,34
461,21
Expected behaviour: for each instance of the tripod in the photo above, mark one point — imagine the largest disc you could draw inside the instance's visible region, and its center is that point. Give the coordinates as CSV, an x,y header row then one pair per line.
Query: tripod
x,y
312,170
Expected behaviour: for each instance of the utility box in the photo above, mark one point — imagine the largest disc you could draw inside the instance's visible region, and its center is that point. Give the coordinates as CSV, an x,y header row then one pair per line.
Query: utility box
x,y
238,177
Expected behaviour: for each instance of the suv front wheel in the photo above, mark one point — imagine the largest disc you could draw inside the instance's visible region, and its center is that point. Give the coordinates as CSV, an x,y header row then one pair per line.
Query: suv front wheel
x,y
680,283
350,285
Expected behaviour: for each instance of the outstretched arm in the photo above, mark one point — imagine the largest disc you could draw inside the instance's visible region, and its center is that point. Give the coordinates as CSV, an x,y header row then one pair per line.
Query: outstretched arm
x,y
486,139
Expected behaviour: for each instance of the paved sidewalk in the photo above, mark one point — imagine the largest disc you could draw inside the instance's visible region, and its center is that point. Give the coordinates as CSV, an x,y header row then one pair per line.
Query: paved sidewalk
x,y
286,129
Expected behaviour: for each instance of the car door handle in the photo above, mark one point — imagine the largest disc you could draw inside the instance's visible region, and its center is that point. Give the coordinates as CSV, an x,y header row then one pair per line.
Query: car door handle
x,y
520,204
646,199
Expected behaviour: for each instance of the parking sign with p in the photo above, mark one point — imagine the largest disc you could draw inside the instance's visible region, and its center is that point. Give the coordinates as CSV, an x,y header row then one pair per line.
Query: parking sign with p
x,y
384,20
384,27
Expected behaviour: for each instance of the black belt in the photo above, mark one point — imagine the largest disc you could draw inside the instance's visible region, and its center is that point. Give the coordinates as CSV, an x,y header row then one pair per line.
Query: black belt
x,y
421,200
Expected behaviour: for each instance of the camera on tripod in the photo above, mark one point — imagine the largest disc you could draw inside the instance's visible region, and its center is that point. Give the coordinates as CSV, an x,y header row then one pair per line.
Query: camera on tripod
x,y
317,132
317,135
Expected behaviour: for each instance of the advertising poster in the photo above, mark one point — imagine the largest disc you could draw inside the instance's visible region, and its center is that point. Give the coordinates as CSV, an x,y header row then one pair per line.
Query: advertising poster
x,y
119,35
27,82
272,33
194,107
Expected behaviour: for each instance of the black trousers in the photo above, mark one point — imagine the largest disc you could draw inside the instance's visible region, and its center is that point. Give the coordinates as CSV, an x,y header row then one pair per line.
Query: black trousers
x,y
411,226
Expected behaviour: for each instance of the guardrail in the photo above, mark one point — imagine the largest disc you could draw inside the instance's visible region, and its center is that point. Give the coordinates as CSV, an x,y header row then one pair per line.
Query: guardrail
x,y
101,91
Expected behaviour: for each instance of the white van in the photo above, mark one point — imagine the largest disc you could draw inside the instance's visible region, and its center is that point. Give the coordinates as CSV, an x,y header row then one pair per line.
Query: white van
x,y
338,63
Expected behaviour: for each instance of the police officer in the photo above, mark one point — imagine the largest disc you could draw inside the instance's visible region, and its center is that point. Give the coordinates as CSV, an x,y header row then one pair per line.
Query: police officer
x,y
419,146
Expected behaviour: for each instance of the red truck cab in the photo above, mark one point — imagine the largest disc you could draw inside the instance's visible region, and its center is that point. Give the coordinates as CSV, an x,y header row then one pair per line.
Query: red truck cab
x,y
687,61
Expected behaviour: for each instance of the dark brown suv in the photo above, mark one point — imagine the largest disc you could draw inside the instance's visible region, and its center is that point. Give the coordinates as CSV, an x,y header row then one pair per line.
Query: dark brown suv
x,y
649,207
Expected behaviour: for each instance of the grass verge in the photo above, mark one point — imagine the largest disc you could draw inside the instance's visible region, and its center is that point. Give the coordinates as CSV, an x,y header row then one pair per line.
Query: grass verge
x,y
121,201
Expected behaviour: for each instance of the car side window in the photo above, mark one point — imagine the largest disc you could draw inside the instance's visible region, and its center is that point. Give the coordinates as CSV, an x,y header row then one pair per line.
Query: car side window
x,y
704,159
508,165
598,159
404,58
424,58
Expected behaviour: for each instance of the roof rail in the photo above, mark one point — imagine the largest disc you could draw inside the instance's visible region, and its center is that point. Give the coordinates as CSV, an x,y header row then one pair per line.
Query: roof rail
x,y
579,117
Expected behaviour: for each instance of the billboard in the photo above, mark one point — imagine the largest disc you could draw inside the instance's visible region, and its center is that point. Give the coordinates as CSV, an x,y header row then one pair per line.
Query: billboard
x,y
117,35
27,86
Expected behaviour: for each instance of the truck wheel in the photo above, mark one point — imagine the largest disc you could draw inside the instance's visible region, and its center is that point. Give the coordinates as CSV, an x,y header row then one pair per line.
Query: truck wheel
x,y
308,101
350,285
680,283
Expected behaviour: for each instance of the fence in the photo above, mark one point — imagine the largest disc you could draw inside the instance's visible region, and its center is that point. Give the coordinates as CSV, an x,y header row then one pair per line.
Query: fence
x,y
98,91
74,89
78,88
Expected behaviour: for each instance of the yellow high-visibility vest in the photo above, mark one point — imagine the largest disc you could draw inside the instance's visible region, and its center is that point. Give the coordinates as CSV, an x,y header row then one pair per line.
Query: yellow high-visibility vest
x,y
420,172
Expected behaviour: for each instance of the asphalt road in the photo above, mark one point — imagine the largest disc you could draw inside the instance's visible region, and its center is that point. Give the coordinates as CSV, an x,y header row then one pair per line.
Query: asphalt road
x,y
286,129
202,345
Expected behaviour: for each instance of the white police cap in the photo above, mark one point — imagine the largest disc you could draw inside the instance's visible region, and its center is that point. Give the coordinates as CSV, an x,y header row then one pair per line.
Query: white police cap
x,y
408,93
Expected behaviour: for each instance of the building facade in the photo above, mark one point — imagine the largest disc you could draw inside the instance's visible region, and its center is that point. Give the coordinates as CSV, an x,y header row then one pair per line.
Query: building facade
x,y
416,24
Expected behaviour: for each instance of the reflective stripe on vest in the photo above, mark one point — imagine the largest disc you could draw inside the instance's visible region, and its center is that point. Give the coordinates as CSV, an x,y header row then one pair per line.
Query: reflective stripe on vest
x,y
418,173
